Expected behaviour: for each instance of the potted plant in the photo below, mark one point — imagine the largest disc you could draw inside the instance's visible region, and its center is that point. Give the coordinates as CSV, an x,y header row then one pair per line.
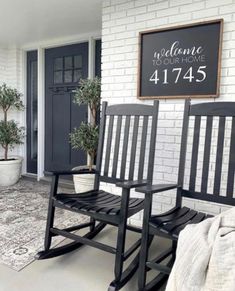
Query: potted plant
x,y
86,136
10,135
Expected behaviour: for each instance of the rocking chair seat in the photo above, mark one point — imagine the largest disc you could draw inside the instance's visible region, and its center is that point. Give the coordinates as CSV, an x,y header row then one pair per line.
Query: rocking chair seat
x,y
175,220
98,202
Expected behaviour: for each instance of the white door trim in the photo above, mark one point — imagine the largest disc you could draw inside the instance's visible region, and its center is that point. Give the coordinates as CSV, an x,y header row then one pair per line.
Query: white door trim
x,y
41,112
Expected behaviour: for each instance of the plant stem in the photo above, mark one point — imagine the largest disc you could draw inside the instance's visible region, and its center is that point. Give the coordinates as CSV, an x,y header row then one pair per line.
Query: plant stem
x,y
93,115
5,116
6,153
90,163
6,148
91,160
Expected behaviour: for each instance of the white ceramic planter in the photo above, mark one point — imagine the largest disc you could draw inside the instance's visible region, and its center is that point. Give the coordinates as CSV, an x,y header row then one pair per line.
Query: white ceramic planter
x,y
10,171
84,182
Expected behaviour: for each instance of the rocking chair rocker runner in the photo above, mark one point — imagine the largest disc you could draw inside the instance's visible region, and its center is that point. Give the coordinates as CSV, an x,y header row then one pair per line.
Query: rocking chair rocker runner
x,y
170,224
123,130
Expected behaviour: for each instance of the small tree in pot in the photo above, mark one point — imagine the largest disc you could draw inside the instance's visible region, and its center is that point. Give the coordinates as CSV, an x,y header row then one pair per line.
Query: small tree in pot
x,y
10,136
86,136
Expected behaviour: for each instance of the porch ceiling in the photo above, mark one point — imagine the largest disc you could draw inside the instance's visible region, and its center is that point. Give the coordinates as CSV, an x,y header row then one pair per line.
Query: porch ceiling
x,y
29,21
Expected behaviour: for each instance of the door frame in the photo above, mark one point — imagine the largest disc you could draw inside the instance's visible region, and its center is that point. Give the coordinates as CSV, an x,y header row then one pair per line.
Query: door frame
x,y
91,39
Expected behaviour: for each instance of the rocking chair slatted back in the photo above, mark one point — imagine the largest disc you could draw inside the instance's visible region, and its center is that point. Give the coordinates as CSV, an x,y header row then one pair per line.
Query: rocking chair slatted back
x,y
219,156
123,138
124,148
195,153
225,113
142,148
206,159
231,167
117,143
133,147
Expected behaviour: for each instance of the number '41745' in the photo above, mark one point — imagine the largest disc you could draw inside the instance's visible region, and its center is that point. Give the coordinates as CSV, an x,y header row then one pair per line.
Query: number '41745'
x,y
190,76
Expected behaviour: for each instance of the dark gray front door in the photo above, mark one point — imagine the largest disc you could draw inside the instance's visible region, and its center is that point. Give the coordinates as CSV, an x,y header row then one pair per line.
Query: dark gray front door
x,y
64,67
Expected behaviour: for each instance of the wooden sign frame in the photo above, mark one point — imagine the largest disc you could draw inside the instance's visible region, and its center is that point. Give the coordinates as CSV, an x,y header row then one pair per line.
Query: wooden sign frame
x,y
175,28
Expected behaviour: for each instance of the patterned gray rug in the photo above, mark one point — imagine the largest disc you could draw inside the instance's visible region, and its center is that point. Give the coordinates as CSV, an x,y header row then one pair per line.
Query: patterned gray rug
x,y
23,212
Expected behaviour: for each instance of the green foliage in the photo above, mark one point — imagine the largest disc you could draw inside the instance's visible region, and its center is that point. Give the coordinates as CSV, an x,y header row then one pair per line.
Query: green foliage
x,y
10,97
88,93
10,133
86,136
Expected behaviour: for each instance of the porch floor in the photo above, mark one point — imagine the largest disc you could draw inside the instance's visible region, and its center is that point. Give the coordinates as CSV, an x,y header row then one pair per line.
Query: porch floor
x,y
88,269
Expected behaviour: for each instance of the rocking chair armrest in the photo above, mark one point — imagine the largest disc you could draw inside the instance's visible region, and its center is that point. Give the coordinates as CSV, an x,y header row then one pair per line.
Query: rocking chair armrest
x,y
132,184
151,189
75,172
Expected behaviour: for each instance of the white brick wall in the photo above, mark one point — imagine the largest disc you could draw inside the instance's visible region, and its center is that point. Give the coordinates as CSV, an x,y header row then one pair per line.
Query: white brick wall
x,y
11,74
3,64
122,21
3,72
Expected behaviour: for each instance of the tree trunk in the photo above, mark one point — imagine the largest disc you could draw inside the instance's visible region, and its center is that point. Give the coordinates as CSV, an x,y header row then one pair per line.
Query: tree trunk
x,y
6,148
5,116
93,116
6,153
91,161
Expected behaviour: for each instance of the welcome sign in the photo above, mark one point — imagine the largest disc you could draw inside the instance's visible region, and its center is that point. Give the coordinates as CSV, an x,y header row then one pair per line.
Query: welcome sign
x,y
182,61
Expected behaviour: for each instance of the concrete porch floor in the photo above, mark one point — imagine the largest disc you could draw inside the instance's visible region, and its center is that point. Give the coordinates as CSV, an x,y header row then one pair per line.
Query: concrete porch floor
x,y
87,269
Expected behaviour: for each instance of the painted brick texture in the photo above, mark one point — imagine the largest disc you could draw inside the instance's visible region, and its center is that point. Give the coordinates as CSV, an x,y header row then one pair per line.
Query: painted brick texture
x,y
122,22
11,67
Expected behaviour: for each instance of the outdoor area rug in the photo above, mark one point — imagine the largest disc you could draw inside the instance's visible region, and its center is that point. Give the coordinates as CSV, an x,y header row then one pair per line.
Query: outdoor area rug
x,y
23,214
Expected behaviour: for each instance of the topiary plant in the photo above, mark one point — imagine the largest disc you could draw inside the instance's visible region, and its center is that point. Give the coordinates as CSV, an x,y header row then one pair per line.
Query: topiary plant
x,y
86,136
10,133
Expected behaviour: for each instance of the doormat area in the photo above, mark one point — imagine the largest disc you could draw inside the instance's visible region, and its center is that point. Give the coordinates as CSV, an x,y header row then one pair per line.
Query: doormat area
x,y
23,214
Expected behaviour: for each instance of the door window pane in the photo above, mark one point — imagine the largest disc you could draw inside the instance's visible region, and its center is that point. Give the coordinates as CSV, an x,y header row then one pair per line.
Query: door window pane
x,y
68,63
58,64
77,62
67,69
58,77
77,75
68,76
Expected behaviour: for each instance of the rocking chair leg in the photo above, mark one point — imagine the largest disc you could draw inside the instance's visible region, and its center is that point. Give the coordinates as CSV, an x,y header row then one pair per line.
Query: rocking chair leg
x,y
145,243
92,227
121,238
119,256
51,213
174,246
120,250
142,266
50,221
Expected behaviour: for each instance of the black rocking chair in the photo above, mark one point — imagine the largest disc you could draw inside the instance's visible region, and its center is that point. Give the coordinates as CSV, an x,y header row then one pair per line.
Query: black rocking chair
x,y
125,158
216,116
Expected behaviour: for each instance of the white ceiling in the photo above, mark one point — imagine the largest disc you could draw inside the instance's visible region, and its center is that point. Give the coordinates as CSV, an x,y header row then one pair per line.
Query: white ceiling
x,y
28,21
